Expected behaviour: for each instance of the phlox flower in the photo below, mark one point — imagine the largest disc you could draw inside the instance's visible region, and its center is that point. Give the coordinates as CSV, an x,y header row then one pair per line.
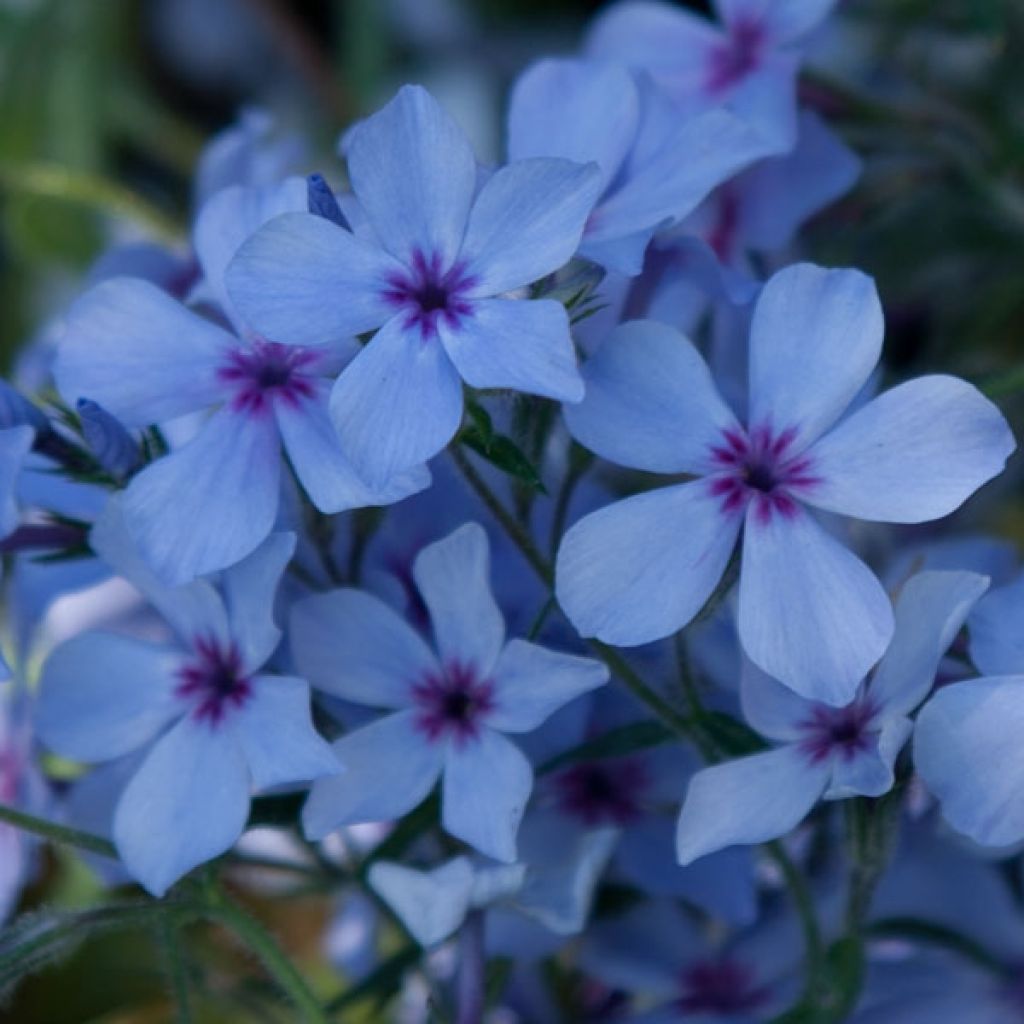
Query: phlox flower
x,y
967,738
811,614
448,712
821,750
748,63
655,167
208,724
15,443
432,271
147,359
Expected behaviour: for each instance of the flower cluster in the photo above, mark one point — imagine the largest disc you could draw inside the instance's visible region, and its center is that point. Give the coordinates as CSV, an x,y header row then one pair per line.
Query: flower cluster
x,y
510,547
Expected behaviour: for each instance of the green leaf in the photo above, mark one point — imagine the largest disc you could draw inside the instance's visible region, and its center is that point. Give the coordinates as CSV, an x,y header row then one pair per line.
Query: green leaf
x,y
502,452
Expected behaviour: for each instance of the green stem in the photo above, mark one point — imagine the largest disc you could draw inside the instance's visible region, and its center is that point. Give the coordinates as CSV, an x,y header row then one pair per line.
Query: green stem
x,y
220,909
57,833
177,970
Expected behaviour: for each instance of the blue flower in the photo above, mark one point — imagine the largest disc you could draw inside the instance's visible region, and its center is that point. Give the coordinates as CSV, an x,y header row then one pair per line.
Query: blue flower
x,y
967,737
811,614
431,271
749,64
146,359
655,166
449,711
835,752
208,725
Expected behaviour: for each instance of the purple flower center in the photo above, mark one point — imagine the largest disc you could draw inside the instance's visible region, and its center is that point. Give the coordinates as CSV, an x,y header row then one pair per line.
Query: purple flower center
x,y
426,293
268,372
736,56
759,467
214,680
453,703
603,792
844,731
721,986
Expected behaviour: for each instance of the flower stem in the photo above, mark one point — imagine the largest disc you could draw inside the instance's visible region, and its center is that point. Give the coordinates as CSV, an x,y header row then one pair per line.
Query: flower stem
x,y
57,833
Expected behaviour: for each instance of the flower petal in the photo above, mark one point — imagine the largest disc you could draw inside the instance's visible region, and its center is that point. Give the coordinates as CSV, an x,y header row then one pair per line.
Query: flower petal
x,y
208,504
576,109
143,356
15,443
913,454
431,904
870,772
527,222
517,344
249,589
930,611
750,800
414,173
967,750
486,784
397,404
388,768
769,707
187,803
325,473
785,20
453,577
276,731
531,683
997,642
102,695
815,338
352,645
812,614
640,569
650,402
302,280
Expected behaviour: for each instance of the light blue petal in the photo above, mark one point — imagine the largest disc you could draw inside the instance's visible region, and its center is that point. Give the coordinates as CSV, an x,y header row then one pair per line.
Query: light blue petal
x,y
527,222
301,280
193,610
811,613
15,443
650,402
576,109
967,750
249,588
453,577
352,645
431,904
640,569
785,20
747,801
517,344
531,683
766,100
486,784
870,772
208,504
388,768
187,804
815,338
930,610
230,217
102,695
414,173
769,707
913,454
397,404
143,356
780,194
325,474
276,732
997,641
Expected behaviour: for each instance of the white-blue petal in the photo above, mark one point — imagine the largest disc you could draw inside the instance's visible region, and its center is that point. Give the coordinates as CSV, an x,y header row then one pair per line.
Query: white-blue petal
x,y
431,904
997,641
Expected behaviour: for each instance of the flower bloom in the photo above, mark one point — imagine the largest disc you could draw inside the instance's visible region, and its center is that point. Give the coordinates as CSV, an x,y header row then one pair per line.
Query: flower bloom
x,y
439,253
207,725
448,711
811,614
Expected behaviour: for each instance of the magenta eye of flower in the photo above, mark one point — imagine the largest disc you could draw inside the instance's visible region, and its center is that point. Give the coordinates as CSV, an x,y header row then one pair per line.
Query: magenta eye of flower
x,y
844,731
265,372
603,792
214,680
721,987
761,477
427,292
453,703
737,56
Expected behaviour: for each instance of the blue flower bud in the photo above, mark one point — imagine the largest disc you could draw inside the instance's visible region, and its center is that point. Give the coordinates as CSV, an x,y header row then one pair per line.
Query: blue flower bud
x,y
114,448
